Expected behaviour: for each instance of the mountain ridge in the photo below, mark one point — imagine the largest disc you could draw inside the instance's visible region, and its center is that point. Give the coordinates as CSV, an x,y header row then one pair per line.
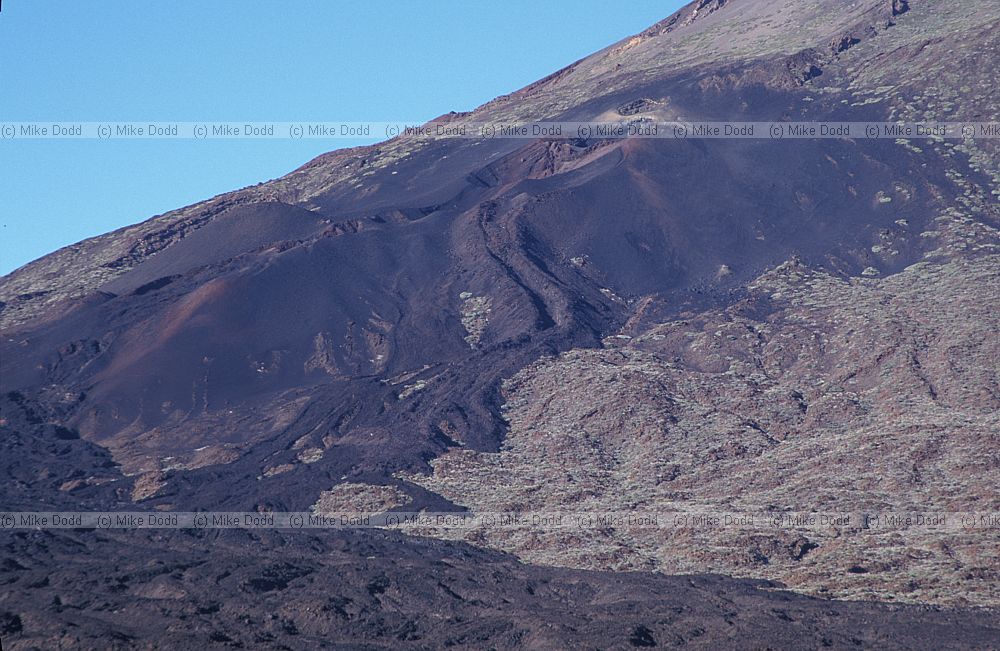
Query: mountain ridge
x,y
146,238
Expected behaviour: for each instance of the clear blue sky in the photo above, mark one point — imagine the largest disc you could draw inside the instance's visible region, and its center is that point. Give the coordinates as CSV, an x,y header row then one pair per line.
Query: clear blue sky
x,y
198,61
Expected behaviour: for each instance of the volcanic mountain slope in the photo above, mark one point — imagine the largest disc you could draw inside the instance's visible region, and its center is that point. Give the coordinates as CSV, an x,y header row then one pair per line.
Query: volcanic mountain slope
x,y
368,589
814,393
363,320
433,269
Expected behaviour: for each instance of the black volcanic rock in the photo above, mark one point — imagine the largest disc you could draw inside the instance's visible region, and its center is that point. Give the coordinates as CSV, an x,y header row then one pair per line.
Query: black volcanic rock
x,y
387,591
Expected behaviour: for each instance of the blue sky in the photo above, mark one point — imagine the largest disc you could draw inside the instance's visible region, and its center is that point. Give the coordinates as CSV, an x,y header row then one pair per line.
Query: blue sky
x,y
119,60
